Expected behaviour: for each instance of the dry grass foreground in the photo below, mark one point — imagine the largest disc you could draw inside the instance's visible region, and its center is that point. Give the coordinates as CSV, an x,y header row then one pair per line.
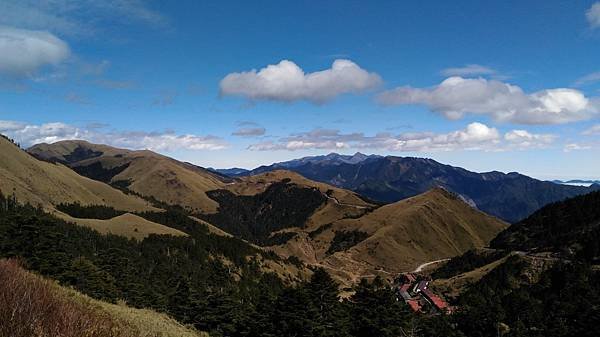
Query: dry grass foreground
x,y
31,306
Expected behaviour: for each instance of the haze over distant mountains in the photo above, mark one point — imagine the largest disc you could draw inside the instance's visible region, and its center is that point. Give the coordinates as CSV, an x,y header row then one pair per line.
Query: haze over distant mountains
x,y
509,196
577,182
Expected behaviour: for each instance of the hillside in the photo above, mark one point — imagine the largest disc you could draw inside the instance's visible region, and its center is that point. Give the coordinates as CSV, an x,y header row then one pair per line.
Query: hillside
x,y
47,184
194,278
395,237
42,307
510,196
330,227
570,227
144,172
541,277
257,208
340,203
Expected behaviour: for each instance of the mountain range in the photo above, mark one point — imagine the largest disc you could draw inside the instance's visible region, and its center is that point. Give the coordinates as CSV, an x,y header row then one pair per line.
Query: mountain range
x,y
267,247
509,196
289,214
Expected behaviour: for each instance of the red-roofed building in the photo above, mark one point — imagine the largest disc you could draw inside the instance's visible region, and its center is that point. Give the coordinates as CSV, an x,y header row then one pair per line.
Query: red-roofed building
x,y
436,301
404,292
414,305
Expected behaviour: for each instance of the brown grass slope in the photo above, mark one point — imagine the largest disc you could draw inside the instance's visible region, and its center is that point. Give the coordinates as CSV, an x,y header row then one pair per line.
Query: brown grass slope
x,y
33,306
42,183
129,225
431,226
148,173
400,236
46,184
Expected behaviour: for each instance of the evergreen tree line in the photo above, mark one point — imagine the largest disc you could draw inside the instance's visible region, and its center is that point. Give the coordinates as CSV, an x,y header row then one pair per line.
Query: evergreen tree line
x,y
187,278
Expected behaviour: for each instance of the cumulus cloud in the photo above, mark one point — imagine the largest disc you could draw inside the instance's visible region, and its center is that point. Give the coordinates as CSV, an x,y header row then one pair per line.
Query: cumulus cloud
x,y
457,96
593,131
22,51
30,134
287,82
593,15
249,132
475,136
469,70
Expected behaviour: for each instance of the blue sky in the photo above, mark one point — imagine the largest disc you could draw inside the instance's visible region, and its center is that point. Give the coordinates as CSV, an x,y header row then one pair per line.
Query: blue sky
x,y
510,86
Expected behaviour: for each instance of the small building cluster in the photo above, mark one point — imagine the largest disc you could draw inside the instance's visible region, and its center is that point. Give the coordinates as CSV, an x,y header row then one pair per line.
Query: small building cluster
x,y
414,290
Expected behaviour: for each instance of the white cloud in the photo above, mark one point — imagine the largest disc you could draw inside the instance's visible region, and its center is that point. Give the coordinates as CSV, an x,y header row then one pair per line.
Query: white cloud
x,y
575,147
456,96
249,132
30,134
593,15
22,51
475,136
287,82
593,131
469,70
525,139
7,126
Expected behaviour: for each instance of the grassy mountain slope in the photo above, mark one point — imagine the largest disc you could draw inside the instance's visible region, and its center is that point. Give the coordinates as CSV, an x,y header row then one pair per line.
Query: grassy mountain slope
x,y
47,184
50,184
396,237
352,237
128,225
144,172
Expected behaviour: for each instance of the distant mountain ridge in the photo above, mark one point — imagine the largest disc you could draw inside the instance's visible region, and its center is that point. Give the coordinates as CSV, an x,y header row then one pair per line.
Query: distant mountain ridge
x,y
231,172
509,196
329,159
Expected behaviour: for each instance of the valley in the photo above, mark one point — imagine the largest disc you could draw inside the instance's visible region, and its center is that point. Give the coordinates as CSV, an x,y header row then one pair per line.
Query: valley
x,y
211,243
299,168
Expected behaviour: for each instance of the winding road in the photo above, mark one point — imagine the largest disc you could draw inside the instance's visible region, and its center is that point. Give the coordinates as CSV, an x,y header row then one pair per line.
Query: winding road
x,y
422,266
